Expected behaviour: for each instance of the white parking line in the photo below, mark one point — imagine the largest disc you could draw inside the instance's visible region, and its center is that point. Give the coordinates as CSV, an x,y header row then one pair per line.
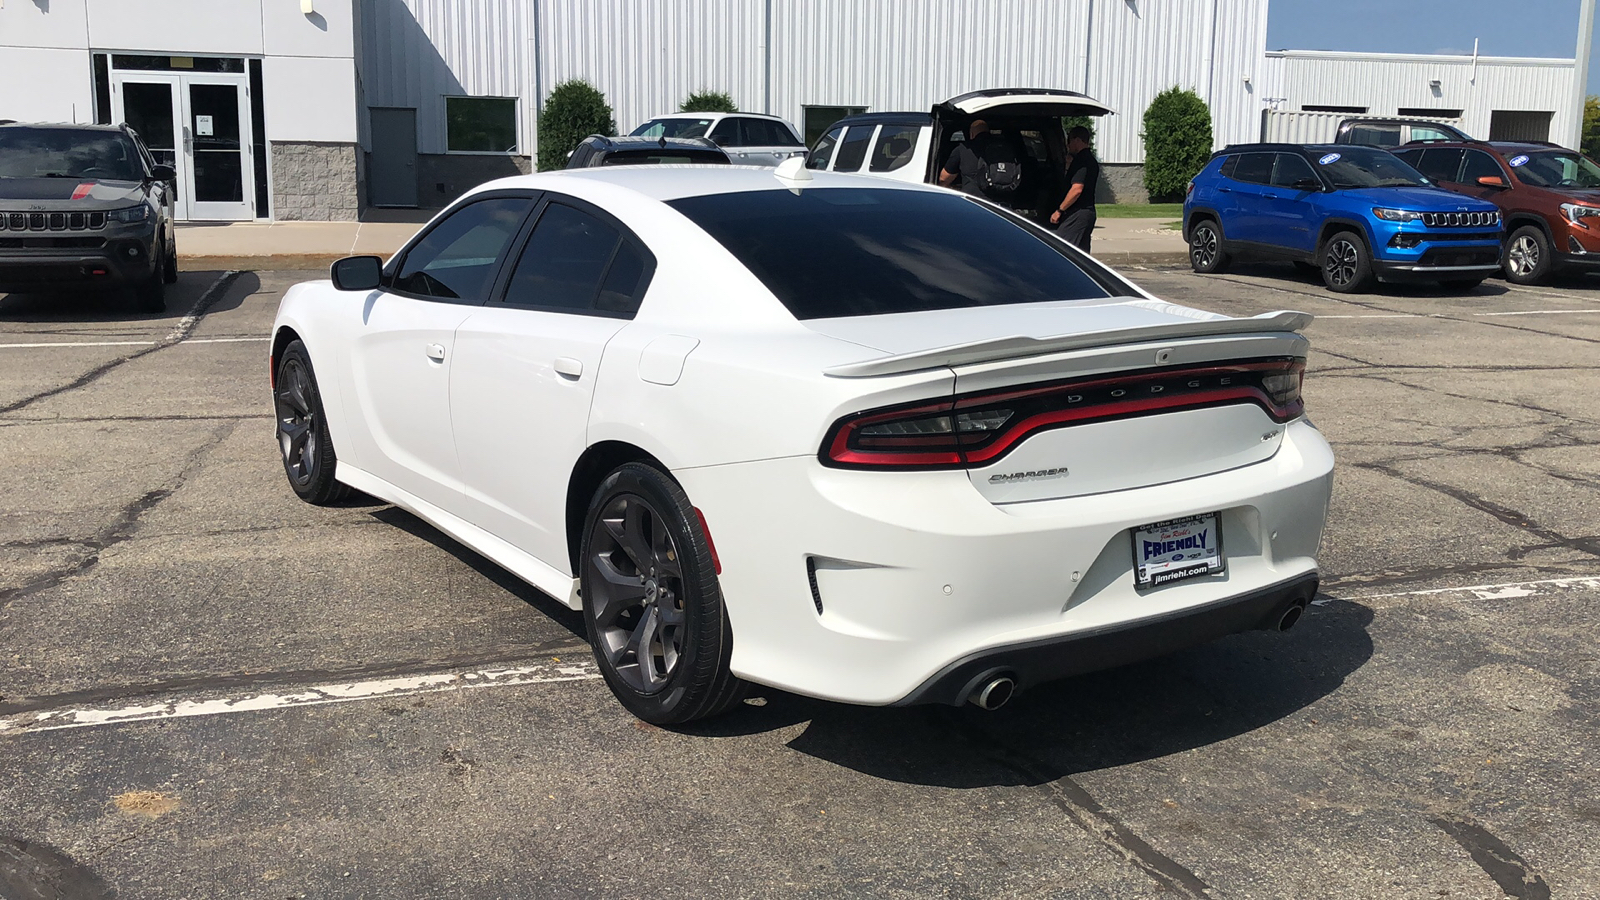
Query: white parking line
x,y
1508,591
1541,312
90,715
1529,312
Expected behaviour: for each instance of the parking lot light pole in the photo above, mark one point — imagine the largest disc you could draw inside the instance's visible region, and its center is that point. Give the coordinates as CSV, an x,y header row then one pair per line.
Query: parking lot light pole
x,y
1580,69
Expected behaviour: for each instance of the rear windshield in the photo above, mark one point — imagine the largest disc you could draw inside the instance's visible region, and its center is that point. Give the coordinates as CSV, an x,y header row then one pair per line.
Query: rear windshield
x,y
68,153
685,128
867,251
1365,167
668,157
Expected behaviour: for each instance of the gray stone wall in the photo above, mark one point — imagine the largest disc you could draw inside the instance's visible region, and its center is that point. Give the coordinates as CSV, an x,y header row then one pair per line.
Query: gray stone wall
x,y
315,182
442,177
1121,183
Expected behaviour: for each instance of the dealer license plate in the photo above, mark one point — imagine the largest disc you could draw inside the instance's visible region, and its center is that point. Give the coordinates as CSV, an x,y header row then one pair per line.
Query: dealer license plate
x,y
1181,548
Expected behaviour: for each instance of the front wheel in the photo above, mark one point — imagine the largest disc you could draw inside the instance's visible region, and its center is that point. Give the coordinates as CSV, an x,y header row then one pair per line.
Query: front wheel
x,y
150,295
170,273
303,442
1206,254
651,601
1527,256
1346,267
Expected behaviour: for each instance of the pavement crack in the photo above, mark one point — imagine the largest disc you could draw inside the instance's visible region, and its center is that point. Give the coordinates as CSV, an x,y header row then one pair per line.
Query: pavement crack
x,y
184,329
1505,514
1510,871
121,527
1084,811
71,420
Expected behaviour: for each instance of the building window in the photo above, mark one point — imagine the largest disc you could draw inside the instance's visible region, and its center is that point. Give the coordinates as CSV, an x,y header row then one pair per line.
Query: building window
x,y
1423,113
481,124
818,119
1323,107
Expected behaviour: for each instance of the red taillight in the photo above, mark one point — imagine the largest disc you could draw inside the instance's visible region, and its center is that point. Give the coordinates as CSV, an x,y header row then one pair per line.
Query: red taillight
x,y
1188,189
978,429
716,562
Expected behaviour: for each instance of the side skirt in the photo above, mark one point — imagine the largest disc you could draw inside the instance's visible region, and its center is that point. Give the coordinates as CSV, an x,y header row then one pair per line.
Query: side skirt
x,y
518,562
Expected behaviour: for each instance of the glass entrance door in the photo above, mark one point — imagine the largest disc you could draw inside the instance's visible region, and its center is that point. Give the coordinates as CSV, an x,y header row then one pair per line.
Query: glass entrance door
x,y
221,179
200,125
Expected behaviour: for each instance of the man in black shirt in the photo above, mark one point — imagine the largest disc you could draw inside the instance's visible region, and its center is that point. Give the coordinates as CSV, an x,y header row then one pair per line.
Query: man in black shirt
x,y
1075,215
968,160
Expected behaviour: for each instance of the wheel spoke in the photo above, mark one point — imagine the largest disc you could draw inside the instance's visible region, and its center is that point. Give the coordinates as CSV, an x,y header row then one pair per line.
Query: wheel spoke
x,y
615,592
642,643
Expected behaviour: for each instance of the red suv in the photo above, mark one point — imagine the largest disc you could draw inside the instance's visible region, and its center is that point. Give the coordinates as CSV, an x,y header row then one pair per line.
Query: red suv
x,y
1549,197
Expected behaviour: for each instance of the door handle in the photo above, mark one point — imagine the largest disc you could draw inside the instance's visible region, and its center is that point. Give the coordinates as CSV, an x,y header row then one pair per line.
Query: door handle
x,y
436,352
569,367
1225,190
1270,196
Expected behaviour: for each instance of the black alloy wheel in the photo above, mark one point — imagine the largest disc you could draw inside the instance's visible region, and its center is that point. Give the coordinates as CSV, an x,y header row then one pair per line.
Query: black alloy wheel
x,y
303,442
1206,254
1345,266
651,601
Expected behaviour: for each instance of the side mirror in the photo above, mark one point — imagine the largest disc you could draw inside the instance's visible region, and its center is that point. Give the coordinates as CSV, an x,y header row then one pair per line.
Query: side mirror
x,y
358,273
163,173
1307,184
1494,181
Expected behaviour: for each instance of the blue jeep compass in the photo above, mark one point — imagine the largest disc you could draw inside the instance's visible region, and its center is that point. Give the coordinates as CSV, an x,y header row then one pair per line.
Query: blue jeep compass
x,y
1356,214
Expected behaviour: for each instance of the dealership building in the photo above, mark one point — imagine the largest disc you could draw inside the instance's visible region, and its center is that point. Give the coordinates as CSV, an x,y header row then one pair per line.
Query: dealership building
x,y
321,109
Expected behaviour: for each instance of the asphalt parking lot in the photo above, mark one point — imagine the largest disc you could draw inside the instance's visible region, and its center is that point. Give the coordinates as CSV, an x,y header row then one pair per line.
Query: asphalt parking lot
x,y
209,689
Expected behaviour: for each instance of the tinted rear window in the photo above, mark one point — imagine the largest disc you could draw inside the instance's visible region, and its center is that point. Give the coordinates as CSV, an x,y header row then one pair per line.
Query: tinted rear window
x,y
864,251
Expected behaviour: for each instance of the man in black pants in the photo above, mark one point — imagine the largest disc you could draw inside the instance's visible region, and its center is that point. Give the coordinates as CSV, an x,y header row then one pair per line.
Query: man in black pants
x,y
1074,216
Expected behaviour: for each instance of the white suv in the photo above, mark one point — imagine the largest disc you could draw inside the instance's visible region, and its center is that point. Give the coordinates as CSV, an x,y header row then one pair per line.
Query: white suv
x,y
913,146
750,139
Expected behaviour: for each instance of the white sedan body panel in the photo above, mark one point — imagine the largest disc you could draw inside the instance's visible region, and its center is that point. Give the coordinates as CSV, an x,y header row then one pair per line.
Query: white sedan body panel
x,y
729,392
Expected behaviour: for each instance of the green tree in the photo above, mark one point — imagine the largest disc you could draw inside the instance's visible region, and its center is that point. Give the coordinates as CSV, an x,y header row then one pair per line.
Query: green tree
x,y
1590,142
574,110
708,101
1177,142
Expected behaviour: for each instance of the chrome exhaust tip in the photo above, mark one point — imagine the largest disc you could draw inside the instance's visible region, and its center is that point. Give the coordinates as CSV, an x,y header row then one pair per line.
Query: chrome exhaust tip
x,y
1291,615
994,693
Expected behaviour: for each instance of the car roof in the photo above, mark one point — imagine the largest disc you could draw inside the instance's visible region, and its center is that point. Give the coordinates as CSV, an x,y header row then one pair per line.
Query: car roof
x,y
629,142
884,118
1291,148
66,126
1502,147
667,183
713,115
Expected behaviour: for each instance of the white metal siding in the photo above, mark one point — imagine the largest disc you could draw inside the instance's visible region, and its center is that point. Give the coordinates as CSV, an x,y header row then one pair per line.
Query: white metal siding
x,y
417,52
1386,83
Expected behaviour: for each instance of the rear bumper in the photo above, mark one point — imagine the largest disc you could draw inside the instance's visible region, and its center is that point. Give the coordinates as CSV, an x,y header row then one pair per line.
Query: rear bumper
x,y
866,587
120,262
1035,662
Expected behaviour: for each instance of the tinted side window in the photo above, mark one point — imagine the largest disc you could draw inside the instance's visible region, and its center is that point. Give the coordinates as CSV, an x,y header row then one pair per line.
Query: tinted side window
x,y
1373,135
1479,165
893,148
854,149
818,158
458,258
624,284
564,261
767,133
1229,166
726,134
1437,163
1291,168
1254,168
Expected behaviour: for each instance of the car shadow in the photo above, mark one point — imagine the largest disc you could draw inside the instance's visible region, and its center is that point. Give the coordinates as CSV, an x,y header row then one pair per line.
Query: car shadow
x,y
90,306
511,584
1312,279
1139,712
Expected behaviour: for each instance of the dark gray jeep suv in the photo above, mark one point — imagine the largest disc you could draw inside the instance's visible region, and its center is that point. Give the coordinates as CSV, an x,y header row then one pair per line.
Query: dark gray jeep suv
x,y
84,206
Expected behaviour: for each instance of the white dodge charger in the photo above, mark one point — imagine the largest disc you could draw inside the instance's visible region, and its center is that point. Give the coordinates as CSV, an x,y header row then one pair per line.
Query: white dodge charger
x,y
876,443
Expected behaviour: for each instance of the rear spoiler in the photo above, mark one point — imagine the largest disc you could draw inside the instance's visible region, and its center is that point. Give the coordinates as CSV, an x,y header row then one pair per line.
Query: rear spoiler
x,y
1018,347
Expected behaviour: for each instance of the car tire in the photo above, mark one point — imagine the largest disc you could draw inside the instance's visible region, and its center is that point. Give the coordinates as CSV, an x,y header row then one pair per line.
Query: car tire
x,y
651,601
150,295
170,273
1346,265
1528,259
1461,284
1207,253
304,445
